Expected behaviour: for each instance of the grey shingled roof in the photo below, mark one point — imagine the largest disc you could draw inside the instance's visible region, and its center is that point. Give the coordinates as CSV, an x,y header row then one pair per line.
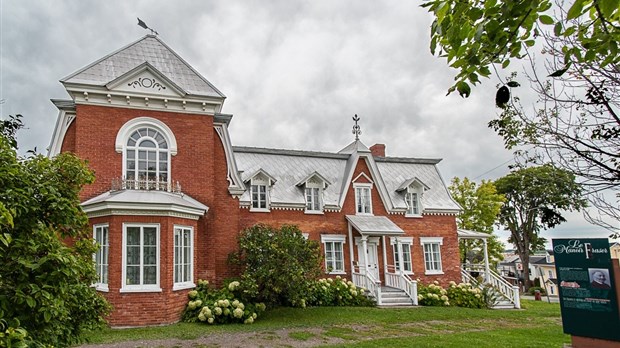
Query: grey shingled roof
x,y
288,167
149,49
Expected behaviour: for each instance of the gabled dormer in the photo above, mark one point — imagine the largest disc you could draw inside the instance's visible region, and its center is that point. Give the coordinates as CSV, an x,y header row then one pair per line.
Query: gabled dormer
x,y
363,186
260,186
314,186
412,190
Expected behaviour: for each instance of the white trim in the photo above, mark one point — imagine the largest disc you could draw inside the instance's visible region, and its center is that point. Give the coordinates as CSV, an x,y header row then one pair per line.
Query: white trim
x,y
63,122
138,287
130,126
432,241
188,284
333,238
403,241
362,174
236,187
369,187
336,239
99,286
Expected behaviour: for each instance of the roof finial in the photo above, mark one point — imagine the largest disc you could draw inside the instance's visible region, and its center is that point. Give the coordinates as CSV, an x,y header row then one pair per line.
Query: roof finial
x,y
356,128
143,25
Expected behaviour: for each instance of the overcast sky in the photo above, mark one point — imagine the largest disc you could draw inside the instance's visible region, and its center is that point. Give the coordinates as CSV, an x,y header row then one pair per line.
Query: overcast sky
x,y
294,73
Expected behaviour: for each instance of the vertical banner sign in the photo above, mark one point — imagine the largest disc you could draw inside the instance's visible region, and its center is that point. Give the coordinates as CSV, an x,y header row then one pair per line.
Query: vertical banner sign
x,y
587,288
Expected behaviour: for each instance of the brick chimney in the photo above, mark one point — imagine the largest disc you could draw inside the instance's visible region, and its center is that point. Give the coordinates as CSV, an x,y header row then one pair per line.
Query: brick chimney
x,y
378,150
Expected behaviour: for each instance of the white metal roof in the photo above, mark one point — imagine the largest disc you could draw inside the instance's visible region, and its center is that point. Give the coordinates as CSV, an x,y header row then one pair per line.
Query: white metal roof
x,y
152,200
374,225
289,167
149,49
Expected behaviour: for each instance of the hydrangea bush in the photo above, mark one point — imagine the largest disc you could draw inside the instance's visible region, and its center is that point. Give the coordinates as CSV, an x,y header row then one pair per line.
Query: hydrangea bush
x,y
337,292
459,295
222,306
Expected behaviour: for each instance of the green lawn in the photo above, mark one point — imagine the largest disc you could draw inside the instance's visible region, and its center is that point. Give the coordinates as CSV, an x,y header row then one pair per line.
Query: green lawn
x,y
537,325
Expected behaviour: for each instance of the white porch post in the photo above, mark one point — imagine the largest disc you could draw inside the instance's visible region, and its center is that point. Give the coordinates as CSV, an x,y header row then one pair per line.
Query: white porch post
x,y
487,272
351,249
385,264
399,250
365,254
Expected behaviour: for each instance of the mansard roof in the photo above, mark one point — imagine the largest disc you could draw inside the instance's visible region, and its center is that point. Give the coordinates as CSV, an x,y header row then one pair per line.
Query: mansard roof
x,y
150,52
290,167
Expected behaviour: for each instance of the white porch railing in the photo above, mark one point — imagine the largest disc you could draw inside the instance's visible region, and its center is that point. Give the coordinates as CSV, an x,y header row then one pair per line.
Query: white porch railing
x,y
396,279
364,279
511,292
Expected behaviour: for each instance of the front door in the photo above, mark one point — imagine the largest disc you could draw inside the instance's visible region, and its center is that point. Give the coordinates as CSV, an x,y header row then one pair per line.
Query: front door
x,y
371,257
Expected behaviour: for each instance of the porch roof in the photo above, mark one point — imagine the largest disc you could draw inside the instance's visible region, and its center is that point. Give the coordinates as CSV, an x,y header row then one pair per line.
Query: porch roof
x,y
466,234
374,225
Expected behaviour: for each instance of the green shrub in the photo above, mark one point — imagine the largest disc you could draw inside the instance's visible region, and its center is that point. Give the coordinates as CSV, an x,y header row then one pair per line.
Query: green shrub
x,y
458,295
279,265
45,284
466,295
432,295
221,306
337,292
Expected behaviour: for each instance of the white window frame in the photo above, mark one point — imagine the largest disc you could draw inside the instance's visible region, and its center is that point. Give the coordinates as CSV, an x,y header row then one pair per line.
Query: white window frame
x,y
140,122
184,283
406,244
312,200
103,249
141,287
429,255
157,150
337,242
256,184
414,205
363,207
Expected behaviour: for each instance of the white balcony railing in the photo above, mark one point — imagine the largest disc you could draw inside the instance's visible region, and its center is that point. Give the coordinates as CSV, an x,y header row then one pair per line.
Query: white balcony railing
x,y
119,184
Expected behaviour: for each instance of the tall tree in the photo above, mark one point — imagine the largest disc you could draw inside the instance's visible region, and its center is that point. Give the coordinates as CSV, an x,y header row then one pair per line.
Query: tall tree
x,y
570,49
535,200
45,285
481,205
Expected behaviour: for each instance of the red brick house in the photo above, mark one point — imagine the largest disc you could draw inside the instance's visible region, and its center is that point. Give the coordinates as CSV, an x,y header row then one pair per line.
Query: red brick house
x,y
172,193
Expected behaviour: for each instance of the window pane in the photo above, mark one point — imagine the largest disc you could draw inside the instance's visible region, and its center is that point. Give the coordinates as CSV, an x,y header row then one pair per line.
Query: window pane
x,y
133,275
150,275
133,236
150,236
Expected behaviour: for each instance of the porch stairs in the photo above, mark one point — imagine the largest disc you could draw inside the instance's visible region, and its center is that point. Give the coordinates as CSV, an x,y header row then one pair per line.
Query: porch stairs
x,y
506,295
391,297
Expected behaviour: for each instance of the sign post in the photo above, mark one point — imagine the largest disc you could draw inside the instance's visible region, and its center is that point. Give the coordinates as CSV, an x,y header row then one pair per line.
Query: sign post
x,y
587,288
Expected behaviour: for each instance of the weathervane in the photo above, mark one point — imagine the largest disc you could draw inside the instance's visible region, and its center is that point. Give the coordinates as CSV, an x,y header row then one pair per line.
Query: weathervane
x,y
143,25
356,128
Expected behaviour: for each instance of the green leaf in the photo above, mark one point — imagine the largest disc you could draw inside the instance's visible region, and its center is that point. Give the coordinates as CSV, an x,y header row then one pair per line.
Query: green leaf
x,y
505,63
557,29
513,84
608,7
31,302
575,10
464,89
547,20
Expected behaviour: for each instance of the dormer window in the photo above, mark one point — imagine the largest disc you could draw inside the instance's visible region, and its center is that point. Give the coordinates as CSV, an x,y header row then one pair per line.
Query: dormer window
x,y
313,187
413,203
412,190
363,201
259,195
260,184
313,200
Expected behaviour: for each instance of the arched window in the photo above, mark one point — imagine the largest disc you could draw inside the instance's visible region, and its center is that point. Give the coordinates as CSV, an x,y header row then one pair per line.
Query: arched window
x,y
147,157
